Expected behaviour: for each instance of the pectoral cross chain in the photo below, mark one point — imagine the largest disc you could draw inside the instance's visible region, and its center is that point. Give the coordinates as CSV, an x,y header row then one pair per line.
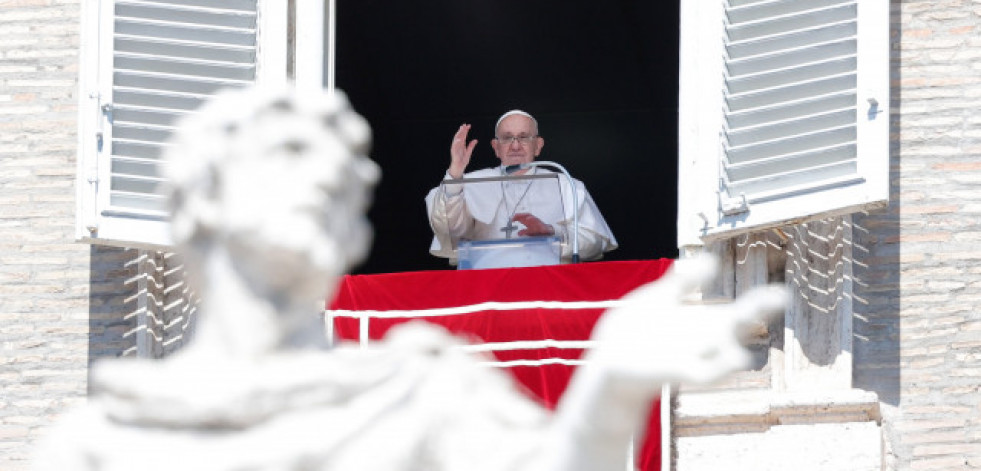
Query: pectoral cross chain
x,y
508,229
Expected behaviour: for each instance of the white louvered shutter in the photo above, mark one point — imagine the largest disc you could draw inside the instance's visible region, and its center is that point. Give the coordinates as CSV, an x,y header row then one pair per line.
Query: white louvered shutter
x,y
784,112
149,62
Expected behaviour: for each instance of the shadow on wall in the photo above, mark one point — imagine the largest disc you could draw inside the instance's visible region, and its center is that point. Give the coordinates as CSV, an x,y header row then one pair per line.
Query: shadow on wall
x,y
112,302
876,323
139,304
818,253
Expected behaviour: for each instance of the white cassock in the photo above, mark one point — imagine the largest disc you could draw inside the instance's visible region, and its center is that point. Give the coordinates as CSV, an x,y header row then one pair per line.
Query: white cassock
x,y
483,211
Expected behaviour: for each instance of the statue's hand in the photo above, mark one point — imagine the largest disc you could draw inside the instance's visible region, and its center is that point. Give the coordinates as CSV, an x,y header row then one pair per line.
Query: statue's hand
x,y
657,336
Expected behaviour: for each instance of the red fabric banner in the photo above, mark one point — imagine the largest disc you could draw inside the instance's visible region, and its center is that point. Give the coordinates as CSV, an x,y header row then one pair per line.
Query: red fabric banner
x,y
464,292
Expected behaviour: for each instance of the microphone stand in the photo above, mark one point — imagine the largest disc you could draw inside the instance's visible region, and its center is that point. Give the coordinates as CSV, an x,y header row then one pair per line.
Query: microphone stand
x,y
575,198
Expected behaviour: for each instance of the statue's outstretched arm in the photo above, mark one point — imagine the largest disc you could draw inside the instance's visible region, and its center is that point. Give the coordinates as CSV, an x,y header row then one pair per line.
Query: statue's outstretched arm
x,y
655,337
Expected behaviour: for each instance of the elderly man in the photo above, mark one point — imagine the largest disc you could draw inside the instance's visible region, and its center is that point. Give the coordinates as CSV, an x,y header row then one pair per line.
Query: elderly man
x,y
488,211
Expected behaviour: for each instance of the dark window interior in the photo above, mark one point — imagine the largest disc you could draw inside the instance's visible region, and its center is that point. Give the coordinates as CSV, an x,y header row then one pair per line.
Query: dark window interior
x,y
601,77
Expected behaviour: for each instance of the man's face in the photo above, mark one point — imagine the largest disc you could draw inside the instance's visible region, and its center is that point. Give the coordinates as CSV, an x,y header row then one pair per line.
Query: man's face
x,y
522,150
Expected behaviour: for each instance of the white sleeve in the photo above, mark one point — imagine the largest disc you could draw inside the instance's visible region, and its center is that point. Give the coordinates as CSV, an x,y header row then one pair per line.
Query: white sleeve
x,y
591,244
449,217
595,236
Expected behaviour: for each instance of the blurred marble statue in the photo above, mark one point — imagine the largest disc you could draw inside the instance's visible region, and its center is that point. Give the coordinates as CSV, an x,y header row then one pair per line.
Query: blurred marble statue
x,y
269,195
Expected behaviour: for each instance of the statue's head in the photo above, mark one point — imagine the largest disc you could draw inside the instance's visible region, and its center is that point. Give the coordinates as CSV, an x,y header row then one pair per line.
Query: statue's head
x,y
277,180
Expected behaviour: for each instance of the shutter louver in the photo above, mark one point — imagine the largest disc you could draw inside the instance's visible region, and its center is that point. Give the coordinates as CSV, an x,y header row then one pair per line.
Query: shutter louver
x,y
790,99
168,57
783,113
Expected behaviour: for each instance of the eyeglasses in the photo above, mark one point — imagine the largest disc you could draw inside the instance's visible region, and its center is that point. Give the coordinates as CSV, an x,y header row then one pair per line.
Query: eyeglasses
x,y
523,140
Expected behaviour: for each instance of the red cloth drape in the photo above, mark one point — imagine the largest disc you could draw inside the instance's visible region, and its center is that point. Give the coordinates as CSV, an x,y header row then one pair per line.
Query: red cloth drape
x,y
597,281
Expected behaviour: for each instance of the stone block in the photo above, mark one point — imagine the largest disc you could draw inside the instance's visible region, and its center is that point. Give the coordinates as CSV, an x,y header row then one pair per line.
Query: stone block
x,y
840,447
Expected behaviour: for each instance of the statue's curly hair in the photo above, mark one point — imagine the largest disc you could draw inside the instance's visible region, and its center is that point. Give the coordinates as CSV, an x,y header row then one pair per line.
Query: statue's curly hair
x,y
240,125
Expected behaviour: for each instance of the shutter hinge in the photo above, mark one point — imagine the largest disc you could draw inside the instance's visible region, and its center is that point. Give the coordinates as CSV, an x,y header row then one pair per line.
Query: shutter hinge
x,y
92,177
873,108
734,206
106,109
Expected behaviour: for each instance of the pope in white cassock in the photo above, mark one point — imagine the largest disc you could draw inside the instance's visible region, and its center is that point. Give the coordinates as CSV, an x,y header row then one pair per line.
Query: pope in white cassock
x,y
508,209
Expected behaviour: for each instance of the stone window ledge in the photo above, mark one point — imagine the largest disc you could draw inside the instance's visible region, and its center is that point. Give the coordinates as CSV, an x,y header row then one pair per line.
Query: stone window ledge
x,y
729,412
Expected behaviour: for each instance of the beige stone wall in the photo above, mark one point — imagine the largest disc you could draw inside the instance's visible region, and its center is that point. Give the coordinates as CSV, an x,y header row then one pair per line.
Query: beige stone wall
x,y
918,277
62,304
917,329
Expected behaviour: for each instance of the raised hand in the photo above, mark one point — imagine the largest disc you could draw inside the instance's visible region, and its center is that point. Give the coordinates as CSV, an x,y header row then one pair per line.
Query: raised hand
x,y
460,151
